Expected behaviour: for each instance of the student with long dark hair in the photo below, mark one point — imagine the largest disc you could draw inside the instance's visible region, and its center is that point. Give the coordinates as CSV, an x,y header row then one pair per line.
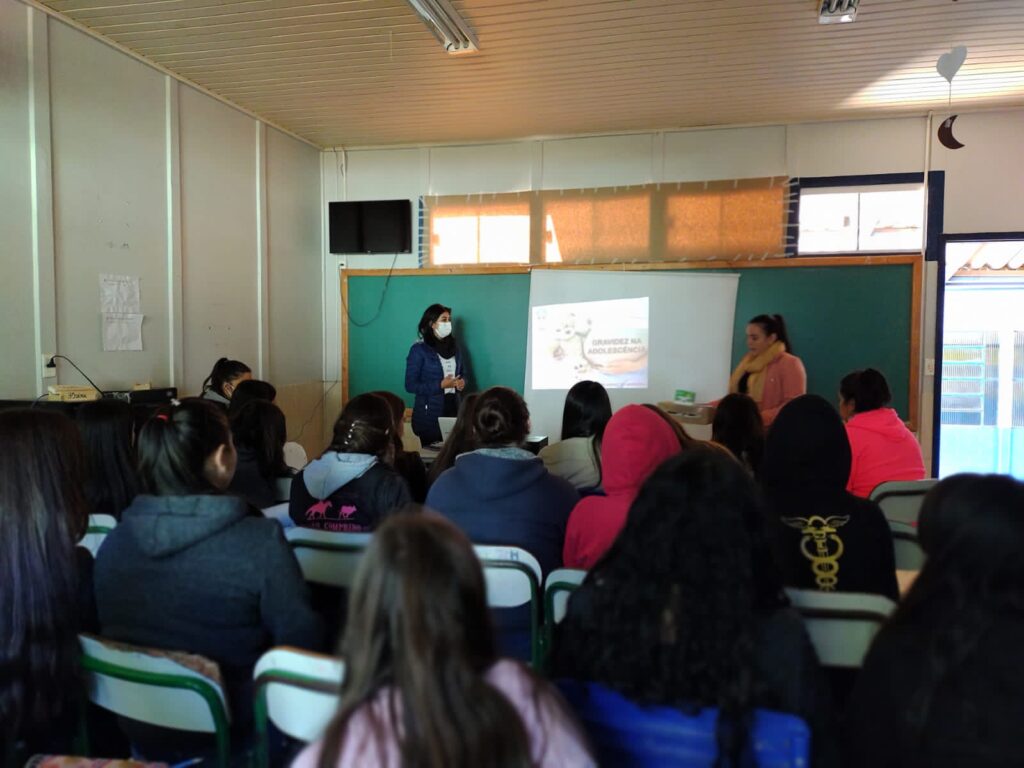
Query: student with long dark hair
x,y
45,581
823,537
738,427
434,373
686,609
577,455
500,493
111,477
352,487
424,683
883,448
409,464
189,569
943,683
226,375
462,439
769,373
248,390
259,432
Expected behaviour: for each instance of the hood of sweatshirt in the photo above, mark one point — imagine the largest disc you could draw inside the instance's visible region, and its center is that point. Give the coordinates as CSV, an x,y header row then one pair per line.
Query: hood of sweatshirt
x,y
165,525
495,473
635,442
333,470
806,450
884,422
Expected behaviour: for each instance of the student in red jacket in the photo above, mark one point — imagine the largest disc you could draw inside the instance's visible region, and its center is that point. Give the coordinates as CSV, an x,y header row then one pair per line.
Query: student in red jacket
x,y
769,373
636,441
883,448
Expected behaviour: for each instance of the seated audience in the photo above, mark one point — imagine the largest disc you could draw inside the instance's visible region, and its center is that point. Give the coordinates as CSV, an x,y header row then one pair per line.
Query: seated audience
x,y
823,537
45,582
501,493
111,477
738,426
577,455
943,684
249,390
259,433
424,682
462,439
636,440
225,377
188,569
686,609
883,448
408,464
352,487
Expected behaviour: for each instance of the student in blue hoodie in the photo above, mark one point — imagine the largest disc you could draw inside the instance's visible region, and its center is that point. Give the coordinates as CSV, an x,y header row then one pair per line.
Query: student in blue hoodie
x,y
189,569
352,487
501,493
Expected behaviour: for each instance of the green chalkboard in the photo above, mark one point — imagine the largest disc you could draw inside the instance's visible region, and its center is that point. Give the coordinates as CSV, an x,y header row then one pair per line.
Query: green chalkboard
x,y
840,318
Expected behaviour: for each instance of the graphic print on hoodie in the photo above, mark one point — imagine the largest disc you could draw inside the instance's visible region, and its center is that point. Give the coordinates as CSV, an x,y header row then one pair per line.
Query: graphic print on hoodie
x,y
346,493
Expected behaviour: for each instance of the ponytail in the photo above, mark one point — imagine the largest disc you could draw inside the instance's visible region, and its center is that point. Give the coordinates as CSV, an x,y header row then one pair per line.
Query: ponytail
x,y
174,445
224,371
364,426
774,325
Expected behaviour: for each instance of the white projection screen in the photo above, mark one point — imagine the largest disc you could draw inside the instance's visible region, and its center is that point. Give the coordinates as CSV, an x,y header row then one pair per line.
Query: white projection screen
x,y
643,335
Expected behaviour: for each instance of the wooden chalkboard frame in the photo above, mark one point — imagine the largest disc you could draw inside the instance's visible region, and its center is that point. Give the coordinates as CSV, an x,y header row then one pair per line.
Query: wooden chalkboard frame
x,y
916,262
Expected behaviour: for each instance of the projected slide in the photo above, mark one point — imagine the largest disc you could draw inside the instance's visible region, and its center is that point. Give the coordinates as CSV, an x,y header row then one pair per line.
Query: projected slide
x,y
603,341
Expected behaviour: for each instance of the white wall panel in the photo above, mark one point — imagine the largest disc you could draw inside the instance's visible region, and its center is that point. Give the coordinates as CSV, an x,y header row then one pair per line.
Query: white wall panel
x,y
484,168
857,147
733,153
602,161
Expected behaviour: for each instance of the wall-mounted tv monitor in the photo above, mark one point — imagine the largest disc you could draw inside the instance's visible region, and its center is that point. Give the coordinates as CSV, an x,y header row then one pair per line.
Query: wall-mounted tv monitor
x,y
371,226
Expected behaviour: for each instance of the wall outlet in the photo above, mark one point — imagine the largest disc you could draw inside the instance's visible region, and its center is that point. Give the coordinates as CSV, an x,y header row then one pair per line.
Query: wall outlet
x,y
929,366
48,373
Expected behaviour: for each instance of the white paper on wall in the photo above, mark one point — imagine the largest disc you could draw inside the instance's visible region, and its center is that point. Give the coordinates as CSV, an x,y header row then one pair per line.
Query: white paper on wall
x,y
122,332
119,294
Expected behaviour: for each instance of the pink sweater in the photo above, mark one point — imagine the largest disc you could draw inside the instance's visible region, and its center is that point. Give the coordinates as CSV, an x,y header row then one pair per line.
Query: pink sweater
x,y
786,380
555,740
883,450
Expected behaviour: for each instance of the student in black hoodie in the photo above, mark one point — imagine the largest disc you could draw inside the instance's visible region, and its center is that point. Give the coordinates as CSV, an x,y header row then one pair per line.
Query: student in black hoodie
x,y
823,537
943,683
188,569
259,432
352,487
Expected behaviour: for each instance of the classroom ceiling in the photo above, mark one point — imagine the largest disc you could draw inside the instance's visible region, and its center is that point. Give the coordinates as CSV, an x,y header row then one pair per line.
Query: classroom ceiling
x,y
368,72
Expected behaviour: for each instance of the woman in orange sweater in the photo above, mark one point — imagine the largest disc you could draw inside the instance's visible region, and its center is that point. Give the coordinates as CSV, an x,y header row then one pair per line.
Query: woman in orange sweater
x,y
770,373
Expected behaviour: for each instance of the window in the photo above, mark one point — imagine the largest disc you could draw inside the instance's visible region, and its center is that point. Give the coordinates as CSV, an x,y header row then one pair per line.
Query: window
x,y
483,233
878,219
588,227
970,378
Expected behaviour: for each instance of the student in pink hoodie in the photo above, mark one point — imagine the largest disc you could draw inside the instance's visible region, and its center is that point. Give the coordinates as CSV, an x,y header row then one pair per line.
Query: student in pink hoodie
x,y
636,440
883,448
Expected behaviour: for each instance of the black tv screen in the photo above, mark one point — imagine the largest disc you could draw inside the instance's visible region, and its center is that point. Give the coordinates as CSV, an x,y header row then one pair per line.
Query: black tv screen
x,y
371,226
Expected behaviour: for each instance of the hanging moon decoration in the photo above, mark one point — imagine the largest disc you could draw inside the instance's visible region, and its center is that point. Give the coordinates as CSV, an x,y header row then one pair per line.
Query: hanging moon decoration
x,y
946,137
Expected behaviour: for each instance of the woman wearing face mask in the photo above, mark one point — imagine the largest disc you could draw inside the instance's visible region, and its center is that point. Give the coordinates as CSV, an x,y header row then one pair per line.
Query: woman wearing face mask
x,y
769,373
434,372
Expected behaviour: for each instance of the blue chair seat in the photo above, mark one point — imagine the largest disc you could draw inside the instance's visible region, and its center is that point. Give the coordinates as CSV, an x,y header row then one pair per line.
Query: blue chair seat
x,y
624,733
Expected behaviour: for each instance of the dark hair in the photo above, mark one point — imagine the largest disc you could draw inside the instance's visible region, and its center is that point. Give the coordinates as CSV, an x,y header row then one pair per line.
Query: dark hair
x,y
261,428
501,418
586,412
365,425
419,632
739,427
867,388
224,372
430,315
111,475
397,406
806,447
774,324
460,440
175,444
685,441
249,390
972,530
42,515
671,616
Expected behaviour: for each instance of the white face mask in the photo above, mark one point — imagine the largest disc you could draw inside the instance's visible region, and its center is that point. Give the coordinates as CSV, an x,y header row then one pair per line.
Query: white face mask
x,y
444,330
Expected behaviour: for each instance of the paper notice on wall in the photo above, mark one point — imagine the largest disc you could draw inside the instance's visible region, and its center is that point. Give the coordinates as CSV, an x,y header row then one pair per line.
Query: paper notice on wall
x,y
119,294
122,332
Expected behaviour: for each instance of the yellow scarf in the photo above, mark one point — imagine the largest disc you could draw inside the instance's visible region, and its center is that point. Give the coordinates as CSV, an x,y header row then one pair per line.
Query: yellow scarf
x,y
755,366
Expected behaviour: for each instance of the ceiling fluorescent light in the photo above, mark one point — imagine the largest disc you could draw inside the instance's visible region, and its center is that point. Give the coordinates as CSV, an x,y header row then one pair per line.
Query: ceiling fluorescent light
x,y
837,11
450,29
